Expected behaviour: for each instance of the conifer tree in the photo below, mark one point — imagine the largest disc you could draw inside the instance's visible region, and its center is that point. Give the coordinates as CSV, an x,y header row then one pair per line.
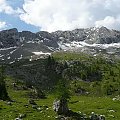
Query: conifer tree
x,y
3,91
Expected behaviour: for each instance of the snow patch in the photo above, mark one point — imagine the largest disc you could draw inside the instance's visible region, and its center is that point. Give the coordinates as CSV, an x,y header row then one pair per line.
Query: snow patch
x,y
8,48
20,57
41,53
74,44
8,58
11,62
13,51
1,56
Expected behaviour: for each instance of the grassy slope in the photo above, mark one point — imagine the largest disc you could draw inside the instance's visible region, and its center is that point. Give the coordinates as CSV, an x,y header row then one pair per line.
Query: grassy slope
x,y
99,105
85,104
8,112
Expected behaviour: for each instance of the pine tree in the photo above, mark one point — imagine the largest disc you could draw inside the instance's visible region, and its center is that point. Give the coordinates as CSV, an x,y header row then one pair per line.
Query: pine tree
x,y
61,103
3,91
62,90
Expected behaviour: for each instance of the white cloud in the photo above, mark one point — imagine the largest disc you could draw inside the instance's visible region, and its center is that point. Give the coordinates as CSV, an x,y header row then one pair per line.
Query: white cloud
x,y
54,15
109,22
6,8
2,25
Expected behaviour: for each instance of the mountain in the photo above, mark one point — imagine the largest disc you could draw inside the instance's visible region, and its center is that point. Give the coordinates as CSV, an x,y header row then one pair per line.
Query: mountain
x,y
16,45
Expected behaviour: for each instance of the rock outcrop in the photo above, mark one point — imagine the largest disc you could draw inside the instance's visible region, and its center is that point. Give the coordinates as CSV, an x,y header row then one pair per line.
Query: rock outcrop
x,y
60,107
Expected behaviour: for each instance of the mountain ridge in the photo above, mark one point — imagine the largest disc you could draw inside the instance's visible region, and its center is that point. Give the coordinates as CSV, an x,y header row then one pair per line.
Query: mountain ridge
x,y
16,45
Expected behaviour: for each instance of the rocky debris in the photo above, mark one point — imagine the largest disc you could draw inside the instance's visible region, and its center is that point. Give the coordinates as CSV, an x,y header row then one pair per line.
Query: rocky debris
x,y
24,88
42,108
39,109
14,84
9,103
20,117
60,117
80,91
37,93
79,116
15,87
34,106
111,110
96,117
116,98
32,102
26,105
60,107
45,106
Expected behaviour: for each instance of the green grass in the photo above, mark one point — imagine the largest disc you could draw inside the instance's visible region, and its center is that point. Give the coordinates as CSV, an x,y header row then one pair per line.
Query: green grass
x,y
70,56
10,112
84,104
99,105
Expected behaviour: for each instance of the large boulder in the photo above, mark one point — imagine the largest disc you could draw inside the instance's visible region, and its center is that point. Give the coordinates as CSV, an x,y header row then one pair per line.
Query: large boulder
x,y
60,106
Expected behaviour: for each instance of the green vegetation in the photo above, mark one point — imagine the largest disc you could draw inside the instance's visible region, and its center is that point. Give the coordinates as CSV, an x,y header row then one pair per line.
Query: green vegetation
x,y
91,83
85,104
3,91
96,75
62,90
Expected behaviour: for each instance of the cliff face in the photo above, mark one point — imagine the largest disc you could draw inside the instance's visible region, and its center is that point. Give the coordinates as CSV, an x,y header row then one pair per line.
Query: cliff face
x,y
9,38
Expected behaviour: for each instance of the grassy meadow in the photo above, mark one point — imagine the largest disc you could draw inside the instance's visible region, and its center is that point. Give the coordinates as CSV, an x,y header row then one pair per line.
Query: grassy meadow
x,y
81,104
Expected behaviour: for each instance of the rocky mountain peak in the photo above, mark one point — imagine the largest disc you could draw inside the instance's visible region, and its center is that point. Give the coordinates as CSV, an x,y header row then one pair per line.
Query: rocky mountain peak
x,y
9,38
13,30
18,45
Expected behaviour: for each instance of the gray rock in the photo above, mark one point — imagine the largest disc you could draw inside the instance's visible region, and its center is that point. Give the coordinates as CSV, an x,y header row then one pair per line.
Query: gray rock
x,y
9,103
96,117
31,101
34,106
18,119
9,38
22,116
60,106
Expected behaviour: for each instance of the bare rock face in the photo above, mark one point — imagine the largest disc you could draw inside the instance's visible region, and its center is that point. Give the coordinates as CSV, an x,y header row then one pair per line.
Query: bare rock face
x,y
9,38
60,106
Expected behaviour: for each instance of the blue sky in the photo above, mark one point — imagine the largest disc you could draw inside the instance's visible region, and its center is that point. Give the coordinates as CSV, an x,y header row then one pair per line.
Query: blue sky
x,y
15,3
52,15
13,21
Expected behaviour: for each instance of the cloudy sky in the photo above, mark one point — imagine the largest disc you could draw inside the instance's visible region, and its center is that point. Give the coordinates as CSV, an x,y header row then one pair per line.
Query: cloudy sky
x,y
52,15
